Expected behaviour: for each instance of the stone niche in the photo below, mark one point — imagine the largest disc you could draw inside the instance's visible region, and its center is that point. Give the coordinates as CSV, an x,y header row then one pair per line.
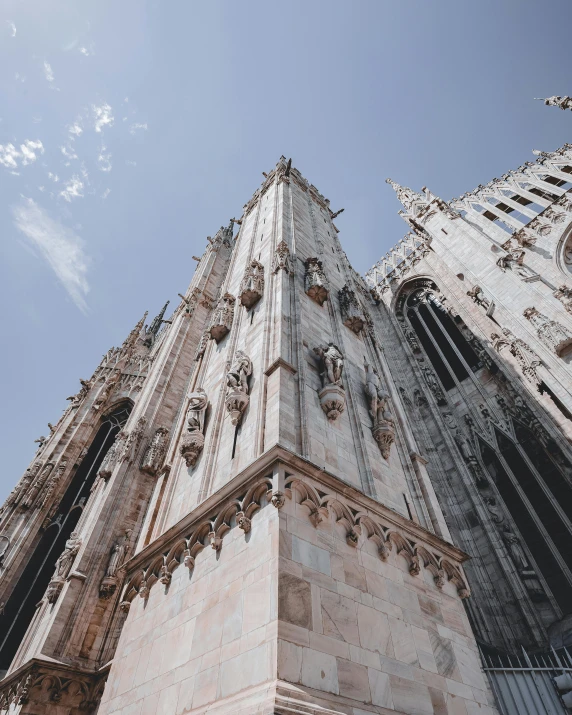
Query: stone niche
x,y
221,321
352,313
315,281
252,286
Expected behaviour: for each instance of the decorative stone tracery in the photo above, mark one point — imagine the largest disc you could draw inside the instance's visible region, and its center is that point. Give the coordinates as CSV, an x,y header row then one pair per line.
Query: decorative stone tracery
x,y
281,260
155,453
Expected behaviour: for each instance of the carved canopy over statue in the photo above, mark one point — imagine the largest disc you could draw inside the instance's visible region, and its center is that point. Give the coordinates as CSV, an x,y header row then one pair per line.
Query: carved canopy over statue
x,y
221,321
252,286
315,281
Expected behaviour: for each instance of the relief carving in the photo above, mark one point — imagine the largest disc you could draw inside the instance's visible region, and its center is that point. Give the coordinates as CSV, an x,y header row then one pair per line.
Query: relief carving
x,y
281,260
117,558
564,295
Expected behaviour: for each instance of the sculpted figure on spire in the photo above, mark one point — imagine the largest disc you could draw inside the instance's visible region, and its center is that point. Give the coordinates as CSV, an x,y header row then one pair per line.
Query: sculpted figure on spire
x,y
407,196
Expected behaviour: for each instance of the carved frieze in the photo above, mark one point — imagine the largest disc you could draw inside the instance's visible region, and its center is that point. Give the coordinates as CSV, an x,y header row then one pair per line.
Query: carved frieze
x,y
527,359
352,313
193,437
477,295
252,285
237,397
221,320
315,281
554,335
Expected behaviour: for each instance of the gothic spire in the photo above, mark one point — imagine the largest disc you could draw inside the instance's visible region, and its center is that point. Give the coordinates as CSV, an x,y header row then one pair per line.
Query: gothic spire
x,y
407,196
562,102
157,321
134,334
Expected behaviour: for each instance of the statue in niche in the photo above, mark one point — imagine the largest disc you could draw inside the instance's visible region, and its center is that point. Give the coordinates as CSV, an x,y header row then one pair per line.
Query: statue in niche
x,y
237,397
63,566
113,456
117,558
221,321
512,543
383,429
333,364
155,454
315,281
332,395
194,438
252,286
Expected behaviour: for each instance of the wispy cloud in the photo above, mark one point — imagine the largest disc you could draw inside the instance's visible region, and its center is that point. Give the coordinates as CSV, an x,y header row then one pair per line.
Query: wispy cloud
x,y
29,149
87,51
103,116
48,73
19,77
137,127
9,155
73,189
53,177
106,193
75,129
104,160
12,28
130,162
59,246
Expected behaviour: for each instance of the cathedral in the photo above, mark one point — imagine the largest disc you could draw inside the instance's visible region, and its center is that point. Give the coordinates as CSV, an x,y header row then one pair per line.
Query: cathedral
x,y
307,491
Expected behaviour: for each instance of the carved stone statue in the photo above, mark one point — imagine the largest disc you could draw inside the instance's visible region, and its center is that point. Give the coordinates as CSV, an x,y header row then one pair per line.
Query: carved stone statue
x,y
564,295
37,485
113,456
332,363
315,281
332,395
433,384
352,313
476,293
252,286
194,438
63,566
517,553
409,334
85,388
237,397
155,454
202,346
221,320
556,101
117,558
383,429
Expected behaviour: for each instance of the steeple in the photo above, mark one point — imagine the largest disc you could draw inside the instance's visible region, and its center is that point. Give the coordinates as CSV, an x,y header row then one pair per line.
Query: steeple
x,y
562,102
153,329
407,196
134,334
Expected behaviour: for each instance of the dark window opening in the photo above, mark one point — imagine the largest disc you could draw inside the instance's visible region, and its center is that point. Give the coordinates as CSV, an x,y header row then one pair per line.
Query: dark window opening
x,y
566,169
551,475
461,344
554,181
545,390
534,539
543,194
31,586
438,364
542,505
449,353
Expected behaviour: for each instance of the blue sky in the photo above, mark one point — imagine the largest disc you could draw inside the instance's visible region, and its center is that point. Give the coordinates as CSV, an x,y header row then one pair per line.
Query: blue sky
x,y
130,131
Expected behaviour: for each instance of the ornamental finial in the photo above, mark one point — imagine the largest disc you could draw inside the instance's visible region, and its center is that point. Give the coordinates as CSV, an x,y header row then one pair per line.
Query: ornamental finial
x,y
556,101
407,196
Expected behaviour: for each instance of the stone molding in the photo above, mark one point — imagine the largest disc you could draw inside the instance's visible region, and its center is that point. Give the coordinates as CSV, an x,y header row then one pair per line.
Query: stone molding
x,y
63,685
326,497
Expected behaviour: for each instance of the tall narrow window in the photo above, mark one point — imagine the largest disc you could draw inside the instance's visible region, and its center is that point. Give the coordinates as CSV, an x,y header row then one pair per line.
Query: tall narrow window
x,y
31,586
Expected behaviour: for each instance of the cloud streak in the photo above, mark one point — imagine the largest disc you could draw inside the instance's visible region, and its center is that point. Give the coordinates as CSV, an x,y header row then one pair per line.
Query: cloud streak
x,y
9,155
73,189
48,72
61,248
103,116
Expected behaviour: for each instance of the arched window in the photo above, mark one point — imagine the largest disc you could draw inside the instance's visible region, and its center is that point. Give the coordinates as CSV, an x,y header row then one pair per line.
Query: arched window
x,y
449,352
31,585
